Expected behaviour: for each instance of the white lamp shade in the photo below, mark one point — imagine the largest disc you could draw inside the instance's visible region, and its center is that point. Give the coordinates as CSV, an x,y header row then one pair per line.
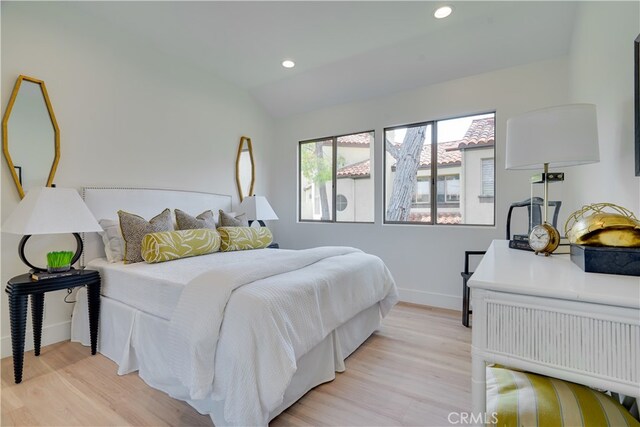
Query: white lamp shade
x,y
257,208
565,135
47,210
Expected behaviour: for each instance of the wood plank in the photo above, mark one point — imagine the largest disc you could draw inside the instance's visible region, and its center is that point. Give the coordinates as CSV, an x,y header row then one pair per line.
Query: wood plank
x,y
414,371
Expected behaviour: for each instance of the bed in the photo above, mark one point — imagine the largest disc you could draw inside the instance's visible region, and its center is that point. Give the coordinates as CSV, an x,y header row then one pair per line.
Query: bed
x,y
238,335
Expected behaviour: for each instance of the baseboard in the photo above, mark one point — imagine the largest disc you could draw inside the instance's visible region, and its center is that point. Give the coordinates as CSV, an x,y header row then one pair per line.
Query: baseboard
x,y
51,334
433,299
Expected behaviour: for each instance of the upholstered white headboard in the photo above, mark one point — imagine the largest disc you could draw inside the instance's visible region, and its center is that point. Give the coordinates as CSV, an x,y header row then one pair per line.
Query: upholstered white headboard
x,y
105,203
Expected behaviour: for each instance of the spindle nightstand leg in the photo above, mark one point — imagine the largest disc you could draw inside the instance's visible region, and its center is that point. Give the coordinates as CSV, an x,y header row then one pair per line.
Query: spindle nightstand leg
x,y
37,312
93,296
18,318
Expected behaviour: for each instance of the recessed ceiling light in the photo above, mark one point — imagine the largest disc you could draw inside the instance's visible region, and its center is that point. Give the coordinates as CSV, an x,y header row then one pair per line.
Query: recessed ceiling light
x,y
442,12
287,63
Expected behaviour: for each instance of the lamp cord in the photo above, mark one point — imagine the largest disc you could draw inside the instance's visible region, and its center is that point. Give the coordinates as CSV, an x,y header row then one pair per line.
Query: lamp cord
x,y
69,291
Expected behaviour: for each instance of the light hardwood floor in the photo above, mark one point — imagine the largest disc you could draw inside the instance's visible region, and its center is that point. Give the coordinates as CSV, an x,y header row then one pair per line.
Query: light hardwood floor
x,y
414,371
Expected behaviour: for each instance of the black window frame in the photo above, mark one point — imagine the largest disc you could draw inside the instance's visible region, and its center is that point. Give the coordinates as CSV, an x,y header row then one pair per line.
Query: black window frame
x,y
433,202
334,178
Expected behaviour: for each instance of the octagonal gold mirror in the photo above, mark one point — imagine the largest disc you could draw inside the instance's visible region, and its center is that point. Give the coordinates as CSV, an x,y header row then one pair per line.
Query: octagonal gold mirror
x,y
30,135
245,168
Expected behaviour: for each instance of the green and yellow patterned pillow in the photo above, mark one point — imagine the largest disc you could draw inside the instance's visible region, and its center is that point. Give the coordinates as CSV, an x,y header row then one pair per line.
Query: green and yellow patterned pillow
x,y
170,245
241,238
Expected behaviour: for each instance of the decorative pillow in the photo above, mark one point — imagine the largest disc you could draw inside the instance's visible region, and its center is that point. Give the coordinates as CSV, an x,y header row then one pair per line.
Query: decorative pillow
x,y
526,399
134,228
170,245
232,219
241,238
112,239
188,222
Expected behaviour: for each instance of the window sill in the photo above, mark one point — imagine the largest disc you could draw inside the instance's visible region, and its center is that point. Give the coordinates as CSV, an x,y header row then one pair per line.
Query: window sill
x,y
486,199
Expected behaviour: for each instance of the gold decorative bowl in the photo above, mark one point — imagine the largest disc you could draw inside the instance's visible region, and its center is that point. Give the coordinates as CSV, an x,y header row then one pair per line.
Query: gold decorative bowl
x,y
618,229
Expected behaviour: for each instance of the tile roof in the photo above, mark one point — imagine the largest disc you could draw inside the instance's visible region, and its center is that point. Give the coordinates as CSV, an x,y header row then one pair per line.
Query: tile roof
x,y
443,217
448,154
480,133
356,170
362,139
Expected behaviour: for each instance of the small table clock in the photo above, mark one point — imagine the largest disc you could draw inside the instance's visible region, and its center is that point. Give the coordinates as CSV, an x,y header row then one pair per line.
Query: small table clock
x,y
544,239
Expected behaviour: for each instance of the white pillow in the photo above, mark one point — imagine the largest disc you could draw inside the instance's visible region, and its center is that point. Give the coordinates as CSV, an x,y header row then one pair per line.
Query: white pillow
x,y
112,239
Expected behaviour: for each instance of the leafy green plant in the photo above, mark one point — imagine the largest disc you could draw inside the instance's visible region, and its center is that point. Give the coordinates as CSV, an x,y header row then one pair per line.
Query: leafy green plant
x,y
59,259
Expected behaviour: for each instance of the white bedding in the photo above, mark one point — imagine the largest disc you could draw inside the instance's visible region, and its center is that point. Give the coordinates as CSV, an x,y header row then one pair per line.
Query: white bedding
x,y
134,340
272,316
156,288
292,301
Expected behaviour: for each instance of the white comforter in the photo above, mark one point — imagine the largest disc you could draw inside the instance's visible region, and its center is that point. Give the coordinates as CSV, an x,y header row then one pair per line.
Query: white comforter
x,y
295,300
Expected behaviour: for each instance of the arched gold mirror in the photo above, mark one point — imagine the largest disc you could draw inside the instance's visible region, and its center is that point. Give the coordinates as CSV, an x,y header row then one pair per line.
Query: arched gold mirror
x,y
30,135
245,168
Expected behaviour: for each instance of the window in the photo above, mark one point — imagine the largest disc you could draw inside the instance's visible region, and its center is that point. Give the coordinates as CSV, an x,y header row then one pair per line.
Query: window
x,y
341,202
422,192
487,177
407,171
449,189
316,160
336,179
464,151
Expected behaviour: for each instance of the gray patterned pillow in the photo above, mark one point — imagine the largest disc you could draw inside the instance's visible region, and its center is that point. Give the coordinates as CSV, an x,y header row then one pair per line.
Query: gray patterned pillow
x,y
188,222
134,228
229,220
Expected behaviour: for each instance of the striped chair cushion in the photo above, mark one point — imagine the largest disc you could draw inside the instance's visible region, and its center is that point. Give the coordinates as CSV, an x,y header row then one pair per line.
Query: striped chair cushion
x,y
525,399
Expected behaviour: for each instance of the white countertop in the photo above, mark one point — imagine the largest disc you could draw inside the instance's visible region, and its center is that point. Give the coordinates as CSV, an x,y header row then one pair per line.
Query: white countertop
x,y
521,272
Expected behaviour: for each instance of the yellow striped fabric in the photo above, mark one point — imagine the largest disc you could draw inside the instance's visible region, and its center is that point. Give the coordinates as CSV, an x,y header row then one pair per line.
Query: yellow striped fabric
x,y
525,399
170,245
241,238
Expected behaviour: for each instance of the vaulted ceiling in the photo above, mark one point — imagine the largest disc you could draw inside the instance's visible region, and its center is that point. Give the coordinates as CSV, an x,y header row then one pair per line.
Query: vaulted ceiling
x,y
344,51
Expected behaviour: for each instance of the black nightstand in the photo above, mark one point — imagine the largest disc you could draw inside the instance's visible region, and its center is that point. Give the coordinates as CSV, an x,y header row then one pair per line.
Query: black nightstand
x,y
20,287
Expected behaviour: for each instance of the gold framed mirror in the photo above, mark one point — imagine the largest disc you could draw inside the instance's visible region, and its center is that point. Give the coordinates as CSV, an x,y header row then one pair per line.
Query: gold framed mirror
x,y
245,168
30,135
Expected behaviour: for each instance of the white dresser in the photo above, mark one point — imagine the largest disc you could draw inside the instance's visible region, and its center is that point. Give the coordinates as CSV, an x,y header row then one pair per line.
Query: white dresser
x,y
546,315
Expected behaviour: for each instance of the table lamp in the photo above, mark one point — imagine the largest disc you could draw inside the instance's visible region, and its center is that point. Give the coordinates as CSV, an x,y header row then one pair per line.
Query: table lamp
x,y
257,208
565,135
49,210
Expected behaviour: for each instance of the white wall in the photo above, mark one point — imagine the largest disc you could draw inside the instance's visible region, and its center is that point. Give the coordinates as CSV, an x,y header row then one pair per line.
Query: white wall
x,y
425,260
129,116
601,72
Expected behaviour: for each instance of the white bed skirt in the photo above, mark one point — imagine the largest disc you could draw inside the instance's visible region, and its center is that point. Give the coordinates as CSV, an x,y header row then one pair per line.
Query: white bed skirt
x,y
133,340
